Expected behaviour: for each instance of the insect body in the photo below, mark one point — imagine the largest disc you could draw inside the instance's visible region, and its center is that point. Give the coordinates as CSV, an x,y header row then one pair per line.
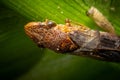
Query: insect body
x,y
75,39
100,20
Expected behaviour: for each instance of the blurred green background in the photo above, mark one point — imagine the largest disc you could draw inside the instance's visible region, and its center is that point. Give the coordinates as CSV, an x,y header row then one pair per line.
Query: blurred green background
x,y
21,59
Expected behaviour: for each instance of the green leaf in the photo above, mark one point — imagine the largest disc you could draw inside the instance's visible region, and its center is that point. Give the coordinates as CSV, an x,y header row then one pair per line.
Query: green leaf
x,y
20,58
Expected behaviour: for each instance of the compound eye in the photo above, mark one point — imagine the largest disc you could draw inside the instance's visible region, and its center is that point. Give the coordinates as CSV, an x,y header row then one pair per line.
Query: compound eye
x,y
91,11
51,24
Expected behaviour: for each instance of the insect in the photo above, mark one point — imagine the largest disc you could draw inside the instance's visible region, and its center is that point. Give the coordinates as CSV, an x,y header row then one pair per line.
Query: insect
x,y
77,39
100,20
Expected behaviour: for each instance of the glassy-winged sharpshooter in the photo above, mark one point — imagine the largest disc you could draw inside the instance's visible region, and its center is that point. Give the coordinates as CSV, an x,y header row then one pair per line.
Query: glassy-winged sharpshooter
x,y
76,39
